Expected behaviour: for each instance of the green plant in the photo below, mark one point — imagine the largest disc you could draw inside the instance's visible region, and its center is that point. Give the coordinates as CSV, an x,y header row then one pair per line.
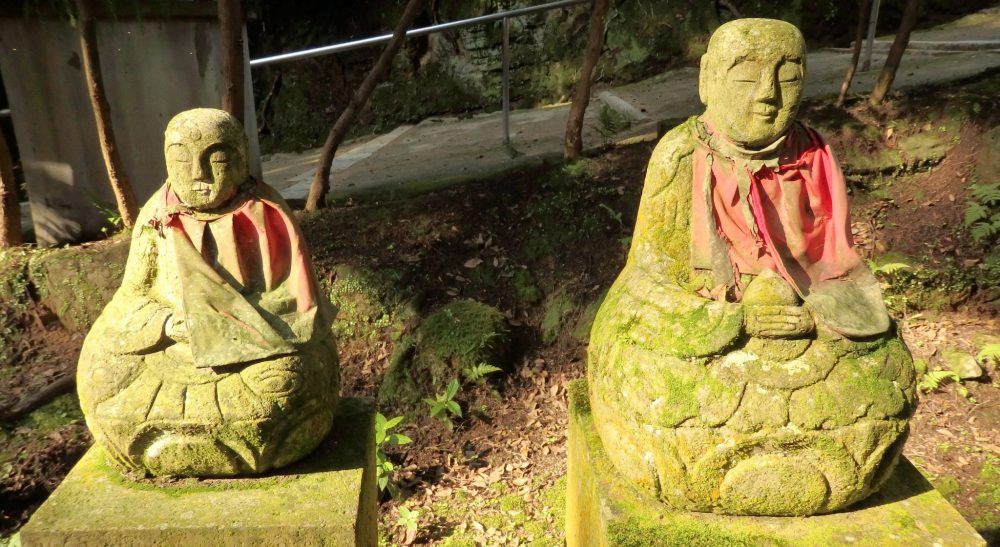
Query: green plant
x,y
934,379
443,405
408,519
982,215
383,438
888,268
615,215
476,373
610,122
111,215
989,352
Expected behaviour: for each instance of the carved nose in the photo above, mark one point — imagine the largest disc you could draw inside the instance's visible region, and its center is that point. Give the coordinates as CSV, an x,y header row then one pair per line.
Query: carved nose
x,y
767,89
199,173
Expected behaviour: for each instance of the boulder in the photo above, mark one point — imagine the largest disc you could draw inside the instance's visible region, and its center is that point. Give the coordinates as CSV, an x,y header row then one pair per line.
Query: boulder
x,y
462,334
963,364
77,282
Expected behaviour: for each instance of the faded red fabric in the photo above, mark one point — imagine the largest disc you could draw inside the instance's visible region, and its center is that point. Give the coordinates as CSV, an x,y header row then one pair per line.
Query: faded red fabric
x,y
256,244
801,212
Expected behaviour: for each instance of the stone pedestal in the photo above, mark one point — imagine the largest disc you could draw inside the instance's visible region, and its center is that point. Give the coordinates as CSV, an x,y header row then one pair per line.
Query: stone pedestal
x,y
602,509
330,498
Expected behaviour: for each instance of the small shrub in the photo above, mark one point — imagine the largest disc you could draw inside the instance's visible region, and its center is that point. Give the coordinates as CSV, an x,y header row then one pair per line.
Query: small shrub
x,y
982,215
443,405
476,373
383,438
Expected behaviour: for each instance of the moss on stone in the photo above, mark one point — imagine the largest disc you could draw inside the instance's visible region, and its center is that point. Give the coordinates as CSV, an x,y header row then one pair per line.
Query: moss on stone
x,y
77,282
607,511
558,307
14,295
462,334
95,505
586,322
948,486
525,287
63,410
366,302
637,532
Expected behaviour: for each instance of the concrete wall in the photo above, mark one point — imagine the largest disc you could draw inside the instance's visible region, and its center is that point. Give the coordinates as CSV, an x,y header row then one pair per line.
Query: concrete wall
x,y
152,70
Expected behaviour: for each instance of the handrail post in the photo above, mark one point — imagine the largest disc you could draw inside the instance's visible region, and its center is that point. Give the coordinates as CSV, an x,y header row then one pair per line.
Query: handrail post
x,y
506,81
872,23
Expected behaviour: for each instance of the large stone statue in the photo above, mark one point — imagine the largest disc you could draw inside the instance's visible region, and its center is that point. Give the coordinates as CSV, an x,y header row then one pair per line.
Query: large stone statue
x,y
743,361
214,358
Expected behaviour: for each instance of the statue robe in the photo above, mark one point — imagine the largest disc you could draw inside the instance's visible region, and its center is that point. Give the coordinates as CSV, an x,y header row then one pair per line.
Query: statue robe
x,y
783,208
240,280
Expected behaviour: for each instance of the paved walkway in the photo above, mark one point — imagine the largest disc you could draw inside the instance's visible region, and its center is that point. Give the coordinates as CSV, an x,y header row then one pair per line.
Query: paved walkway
x,y
440,151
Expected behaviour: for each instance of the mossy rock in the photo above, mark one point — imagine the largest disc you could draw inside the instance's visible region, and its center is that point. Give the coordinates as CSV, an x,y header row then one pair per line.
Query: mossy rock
x,y
586,322
366,303
15,295
559,306
77,282
526,288
988,158
462,334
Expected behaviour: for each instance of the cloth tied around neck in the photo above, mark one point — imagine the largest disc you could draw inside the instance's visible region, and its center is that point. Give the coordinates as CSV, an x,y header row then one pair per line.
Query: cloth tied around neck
x,y
244,279
782,208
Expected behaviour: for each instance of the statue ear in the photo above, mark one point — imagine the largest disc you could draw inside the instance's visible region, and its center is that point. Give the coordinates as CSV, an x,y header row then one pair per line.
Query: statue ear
x,y
703,78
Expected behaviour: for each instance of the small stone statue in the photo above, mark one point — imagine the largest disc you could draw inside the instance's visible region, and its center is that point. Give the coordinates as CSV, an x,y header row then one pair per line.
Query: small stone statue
x,y
214,358
743,362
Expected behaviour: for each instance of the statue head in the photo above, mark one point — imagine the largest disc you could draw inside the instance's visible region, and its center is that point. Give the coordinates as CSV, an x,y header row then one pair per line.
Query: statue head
x,y
206,152
751,79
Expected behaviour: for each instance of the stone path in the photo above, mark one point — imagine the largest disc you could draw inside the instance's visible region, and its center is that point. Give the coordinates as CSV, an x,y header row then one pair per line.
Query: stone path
x,y
442,151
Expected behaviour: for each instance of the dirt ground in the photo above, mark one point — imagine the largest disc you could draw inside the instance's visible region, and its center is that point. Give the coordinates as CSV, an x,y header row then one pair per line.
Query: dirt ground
x,y
497,477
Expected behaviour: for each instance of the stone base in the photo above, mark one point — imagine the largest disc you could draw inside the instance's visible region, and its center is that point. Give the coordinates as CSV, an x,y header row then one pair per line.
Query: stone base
x,y
329,498
603,510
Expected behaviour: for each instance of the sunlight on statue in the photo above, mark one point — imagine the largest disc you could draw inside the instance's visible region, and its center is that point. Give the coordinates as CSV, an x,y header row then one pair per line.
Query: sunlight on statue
x,y
743,362
214,358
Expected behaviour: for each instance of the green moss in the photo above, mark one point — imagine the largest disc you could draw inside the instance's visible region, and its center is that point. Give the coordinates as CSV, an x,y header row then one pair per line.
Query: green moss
x,y
586,322
366,302
578,396
525,288
61,411
14,296
989,494
461,334
558,307
639,532
948,486
513,502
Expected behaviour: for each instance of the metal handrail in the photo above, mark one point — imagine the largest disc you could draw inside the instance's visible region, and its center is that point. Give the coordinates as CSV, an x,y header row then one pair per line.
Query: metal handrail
x,y
412,33
504,16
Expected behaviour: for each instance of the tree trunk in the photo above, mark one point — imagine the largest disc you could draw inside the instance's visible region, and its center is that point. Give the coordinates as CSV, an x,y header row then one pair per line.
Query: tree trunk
x,y
859,39
10,209
231,31
124,195
595,42
321,181
888,74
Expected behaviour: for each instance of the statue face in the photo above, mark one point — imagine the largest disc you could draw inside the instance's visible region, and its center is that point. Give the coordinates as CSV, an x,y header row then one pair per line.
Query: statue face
x,y
206,157
751,79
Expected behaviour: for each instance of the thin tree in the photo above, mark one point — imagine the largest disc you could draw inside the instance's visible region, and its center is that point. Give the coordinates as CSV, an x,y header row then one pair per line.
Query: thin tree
x,y
231,33
888,74
321,181
581,96
859,39
124,196
10,211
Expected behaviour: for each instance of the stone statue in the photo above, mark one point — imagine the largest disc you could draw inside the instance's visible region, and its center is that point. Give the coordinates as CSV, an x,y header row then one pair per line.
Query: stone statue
x,y
743,362
214,357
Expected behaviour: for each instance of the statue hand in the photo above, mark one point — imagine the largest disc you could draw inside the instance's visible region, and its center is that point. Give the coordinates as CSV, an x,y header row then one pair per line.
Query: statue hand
x,y
175,328
778,321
